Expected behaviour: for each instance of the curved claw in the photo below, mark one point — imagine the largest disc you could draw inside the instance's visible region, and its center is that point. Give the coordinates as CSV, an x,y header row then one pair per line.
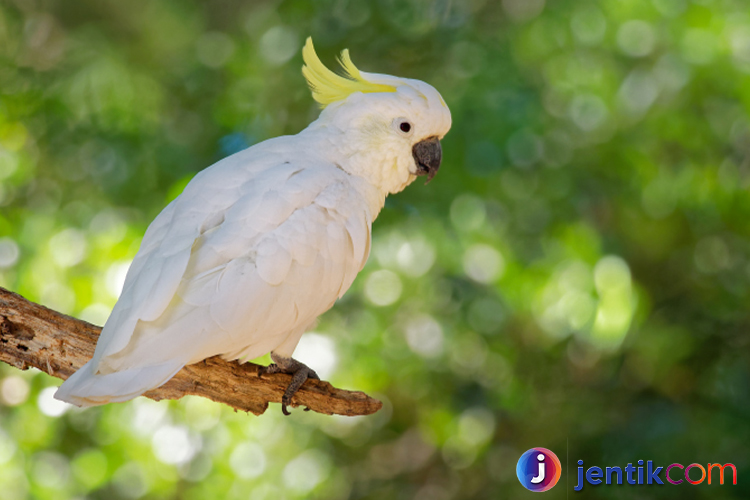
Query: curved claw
x,y
298,379
299,372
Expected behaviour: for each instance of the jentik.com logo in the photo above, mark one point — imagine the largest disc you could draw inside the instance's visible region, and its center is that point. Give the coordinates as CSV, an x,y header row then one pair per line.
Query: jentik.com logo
x,y
538,469
649,474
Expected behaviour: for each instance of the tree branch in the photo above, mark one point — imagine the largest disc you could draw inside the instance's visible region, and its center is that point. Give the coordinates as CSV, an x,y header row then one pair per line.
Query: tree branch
x,y
32,335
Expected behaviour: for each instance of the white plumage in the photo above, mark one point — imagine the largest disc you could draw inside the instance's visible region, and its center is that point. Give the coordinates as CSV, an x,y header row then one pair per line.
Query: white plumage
x,y
263,242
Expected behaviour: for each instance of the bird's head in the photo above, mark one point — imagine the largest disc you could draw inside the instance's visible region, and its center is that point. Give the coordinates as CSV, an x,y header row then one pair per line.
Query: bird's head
x,y
385,129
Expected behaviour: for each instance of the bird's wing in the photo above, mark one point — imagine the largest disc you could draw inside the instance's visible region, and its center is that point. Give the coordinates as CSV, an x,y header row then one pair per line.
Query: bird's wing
x,y
300,266
246,257
158,266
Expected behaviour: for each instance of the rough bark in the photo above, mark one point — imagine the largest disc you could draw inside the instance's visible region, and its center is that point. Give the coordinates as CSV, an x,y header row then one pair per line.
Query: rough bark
x,y
32,335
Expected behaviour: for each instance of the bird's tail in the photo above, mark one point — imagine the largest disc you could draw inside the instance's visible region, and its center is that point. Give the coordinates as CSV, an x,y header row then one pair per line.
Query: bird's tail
x,y
86,388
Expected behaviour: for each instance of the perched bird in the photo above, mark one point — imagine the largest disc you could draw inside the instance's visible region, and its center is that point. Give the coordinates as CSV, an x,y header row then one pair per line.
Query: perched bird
x,y
264,241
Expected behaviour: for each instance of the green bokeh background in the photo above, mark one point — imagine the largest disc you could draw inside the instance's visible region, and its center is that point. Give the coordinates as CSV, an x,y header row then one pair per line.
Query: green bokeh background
x,y
577,276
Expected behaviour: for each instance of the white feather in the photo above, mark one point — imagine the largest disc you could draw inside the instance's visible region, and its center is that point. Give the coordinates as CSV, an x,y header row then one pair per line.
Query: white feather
x,y
251,253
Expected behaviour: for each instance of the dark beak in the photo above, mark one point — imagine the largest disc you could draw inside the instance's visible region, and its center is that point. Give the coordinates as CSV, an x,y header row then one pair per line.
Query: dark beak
x,y
427,155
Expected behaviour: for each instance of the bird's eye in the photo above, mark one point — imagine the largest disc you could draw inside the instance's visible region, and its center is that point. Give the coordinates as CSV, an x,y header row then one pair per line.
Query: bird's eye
x,y
403,125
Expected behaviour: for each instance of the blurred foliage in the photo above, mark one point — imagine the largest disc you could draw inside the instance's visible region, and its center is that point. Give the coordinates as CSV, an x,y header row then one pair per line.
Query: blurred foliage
x,y
576,277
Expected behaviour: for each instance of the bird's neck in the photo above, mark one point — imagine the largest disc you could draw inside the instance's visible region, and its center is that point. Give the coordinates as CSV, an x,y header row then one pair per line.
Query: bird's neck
x,y
377,164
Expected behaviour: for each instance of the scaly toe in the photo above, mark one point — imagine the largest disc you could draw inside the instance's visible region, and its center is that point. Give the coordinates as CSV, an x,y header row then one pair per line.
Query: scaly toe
x,y
299,372
272,368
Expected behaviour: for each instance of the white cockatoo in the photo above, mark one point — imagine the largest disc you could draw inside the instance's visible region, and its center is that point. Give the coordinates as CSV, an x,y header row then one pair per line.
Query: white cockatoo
x,y
263,242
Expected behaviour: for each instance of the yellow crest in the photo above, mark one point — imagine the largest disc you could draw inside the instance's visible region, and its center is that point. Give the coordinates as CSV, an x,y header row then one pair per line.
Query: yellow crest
x,y
327,86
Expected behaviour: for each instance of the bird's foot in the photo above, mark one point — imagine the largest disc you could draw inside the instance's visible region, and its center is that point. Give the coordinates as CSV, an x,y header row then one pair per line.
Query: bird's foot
x,y
299,372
